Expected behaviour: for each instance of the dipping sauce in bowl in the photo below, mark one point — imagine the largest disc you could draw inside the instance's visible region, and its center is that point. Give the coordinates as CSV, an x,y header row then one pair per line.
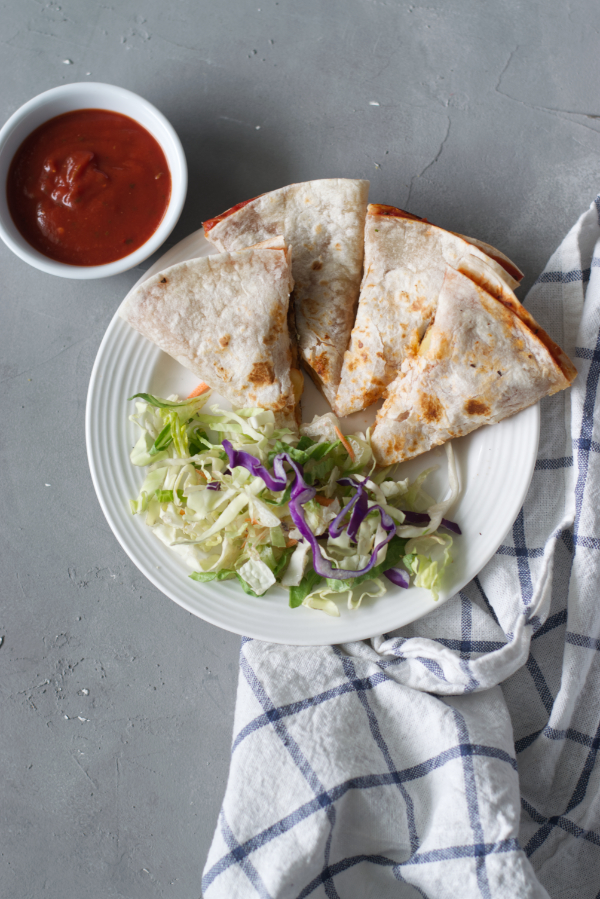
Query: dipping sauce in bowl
x,y
88,187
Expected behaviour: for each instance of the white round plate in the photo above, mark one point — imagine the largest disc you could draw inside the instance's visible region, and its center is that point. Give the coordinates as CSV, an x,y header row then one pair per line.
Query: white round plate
x,y
495,465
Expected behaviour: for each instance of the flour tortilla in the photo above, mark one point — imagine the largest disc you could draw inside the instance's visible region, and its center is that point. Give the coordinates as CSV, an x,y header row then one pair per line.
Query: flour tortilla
x,y
405,264
481,273
224,318
480,362
323,222
510,274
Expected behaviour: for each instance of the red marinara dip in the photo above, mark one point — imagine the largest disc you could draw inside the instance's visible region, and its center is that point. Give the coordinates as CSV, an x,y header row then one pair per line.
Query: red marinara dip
x,y
88,187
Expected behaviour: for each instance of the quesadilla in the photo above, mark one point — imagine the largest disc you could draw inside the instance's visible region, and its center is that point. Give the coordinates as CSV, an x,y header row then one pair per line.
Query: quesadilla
x,y
323,222
224,318
482,360
405,262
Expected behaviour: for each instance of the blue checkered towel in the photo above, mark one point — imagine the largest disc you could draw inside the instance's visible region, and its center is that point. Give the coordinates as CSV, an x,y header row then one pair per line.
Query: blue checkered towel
x,y
455,758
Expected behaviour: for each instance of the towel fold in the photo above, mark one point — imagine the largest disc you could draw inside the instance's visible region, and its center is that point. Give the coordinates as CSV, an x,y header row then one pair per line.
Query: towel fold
x,y
455,757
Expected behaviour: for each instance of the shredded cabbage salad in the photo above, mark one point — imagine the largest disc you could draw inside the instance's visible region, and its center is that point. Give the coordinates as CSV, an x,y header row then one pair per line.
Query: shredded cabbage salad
x,y
240,498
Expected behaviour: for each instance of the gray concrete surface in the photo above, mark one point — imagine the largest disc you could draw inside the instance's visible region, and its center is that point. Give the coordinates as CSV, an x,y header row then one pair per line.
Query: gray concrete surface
x,y
117,705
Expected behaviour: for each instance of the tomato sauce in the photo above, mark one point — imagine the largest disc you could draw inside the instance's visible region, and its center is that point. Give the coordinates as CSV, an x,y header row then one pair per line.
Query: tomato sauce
x,y
88,187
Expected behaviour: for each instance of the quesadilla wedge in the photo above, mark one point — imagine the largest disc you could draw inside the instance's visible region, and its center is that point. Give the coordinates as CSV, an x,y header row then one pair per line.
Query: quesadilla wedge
x,y
323,222
405,263
224,318
482,360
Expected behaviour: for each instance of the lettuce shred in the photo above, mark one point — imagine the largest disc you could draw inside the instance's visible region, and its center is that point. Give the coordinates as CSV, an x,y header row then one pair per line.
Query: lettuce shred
x,y
227,523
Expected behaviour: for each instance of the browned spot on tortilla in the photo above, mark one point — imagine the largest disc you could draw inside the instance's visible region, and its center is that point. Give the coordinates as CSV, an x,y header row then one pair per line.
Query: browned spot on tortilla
x,y
223,373
353,364
431,408
262,373
321,366
317,265
414,342
163,280
276,326
476,407
403,416
378,209
371,396
419,304
441,346
398,444
224,340
360,344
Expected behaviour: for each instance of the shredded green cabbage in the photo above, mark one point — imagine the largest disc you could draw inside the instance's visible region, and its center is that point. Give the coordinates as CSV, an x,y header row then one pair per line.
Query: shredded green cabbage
x,y
226,523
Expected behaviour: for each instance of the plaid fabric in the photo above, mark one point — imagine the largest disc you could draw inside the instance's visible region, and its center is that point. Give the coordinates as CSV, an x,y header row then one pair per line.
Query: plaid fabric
x,y
457,756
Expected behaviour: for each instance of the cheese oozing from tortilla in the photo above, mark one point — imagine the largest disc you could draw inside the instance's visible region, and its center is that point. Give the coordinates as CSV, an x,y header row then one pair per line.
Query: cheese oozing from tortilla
x,y
323,222
405,264
224,318
481,362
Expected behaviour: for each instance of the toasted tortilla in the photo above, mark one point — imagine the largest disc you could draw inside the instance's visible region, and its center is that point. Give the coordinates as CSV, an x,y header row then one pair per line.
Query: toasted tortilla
x,y
323,222
405,263
511,275
224,318
480,362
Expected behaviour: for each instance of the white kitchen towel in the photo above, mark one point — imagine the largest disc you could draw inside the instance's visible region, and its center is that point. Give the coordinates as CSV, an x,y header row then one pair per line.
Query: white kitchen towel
x,y
457,757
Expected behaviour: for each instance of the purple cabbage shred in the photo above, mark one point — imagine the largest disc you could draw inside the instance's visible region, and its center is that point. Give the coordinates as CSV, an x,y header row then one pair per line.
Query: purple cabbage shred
x,y
302,493
398,576
422,518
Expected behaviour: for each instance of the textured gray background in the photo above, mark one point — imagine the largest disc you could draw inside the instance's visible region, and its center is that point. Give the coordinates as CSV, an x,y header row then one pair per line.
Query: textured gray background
x,y
117,705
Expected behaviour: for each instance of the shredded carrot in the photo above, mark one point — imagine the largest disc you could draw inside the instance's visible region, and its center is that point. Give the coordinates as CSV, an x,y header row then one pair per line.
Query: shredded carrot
x,y
290,542
324,500
345,444
201,388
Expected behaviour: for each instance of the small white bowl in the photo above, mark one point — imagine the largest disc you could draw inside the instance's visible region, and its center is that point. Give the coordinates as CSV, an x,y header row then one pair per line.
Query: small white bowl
x,y
91,95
